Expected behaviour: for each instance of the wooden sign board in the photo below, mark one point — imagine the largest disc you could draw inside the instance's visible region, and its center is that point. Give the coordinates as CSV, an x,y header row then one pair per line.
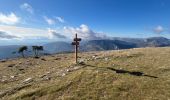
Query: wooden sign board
x,y
77,39
75,43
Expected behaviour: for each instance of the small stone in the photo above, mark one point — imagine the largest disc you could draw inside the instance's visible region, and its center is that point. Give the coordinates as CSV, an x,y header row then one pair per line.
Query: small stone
x,y
75,68
81,63
4,80
63,74
20,74
28,80
46,78
97,58
43,76
68,70
97,71
12,76
57,58
81,60
11,65
21,69
88,59
70,66
36,57
43,59
3,60
106,59
48,72
93,56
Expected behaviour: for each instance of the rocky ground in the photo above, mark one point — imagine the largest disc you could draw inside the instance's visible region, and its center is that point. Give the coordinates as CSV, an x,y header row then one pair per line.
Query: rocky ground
x,y
134,74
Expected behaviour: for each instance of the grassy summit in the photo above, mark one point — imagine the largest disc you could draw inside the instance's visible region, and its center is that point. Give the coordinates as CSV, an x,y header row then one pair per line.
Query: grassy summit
x,y
134,74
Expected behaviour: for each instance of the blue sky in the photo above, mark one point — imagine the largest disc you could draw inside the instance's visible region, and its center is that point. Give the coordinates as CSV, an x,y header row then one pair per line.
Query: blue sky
x,y
58,20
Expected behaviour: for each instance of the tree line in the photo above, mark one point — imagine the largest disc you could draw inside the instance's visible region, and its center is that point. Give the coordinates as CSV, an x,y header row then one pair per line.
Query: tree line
x,y
35,50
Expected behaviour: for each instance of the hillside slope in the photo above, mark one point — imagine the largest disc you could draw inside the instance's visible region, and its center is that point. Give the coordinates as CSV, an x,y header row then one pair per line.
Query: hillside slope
x,y
134,74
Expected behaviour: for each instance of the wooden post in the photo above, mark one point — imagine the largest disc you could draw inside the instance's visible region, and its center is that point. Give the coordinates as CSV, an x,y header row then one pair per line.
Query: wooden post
x,y
76,50
76,44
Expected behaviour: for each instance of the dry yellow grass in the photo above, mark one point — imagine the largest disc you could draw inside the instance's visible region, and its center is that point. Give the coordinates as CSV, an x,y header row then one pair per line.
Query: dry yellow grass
x,y
134,74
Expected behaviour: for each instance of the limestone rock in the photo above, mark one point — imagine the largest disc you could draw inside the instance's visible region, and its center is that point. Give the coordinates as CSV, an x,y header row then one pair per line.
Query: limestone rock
x,y
28,80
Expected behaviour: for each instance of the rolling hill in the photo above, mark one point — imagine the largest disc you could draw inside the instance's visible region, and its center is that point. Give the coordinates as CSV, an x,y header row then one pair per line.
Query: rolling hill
x,y
133,74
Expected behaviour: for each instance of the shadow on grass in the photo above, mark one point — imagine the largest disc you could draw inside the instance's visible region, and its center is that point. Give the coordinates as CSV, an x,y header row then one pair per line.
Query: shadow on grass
x,y
121,71
135,73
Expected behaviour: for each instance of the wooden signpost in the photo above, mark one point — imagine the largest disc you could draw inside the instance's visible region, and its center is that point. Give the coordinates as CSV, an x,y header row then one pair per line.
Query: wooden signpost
x,y
76,44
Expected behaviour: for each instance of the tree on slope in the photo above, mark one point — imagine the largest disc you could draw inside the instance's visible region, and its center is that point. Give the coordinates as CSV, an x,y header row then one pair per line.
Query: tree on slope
x,y
36,50
22,49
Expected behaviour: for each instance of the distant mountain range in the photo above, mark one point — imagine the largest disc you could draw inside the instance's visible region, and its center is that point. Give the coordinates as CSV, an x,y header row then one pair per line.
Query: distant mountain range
x,y
56,47
91,45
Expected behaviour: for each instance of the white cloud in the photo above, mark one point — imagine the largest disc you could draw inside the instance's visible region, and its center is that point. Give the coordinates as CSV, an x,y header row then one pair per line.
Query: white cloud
x,y
32,33
54,34
159,29
6,35
52,21
49,21
9,19
59,19
27,8
24,33
85,32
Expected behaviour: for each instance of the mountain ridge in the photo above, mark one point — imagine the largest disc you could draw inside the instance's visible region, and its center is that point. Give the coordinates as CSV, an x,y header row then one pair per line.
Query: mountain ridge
x,y
91,45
